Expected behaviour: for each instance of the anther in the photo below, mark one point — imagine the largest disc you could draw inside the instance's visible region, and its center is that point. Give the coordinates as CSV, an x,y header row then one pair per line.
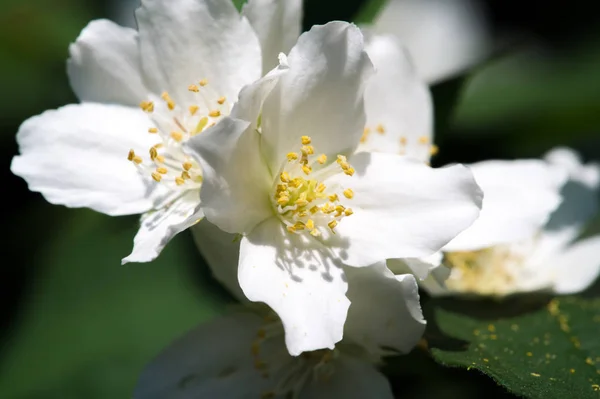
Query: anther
x,y
170,103
185,175
433,150
380,129
176,136
130,155
341,159
307,150
333,197
179,181
193,109
403,140
221,100
332,224
310,224
320,188
156,176
137,160
283,200
284,177
315,233
291,156
162,171
423,140
348,211
322,159
187,166
201,125
306,140
348,193
214,114
153,130
203,82
349,171
147,106
153,153
306,169
193,88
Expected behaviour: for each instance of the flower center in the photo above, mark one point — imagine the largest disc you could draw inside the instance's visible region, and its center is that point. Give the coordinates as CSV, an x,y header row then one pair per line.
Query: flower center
x,y
489,271
301,199
173,125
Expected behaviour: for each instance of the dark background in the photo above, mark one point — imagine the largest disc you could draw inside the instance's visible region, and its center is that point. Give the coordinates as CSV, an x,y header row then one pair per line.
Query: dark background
x,y
76,324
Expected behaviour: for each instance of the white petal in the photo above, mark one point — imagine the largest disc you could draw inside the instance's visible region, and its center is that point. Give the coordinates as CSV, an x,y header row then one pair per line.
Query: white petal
x,y
442,36
577,267
222,252
184,41
104,65
403,208
385,309
397,102
580,199
320,96
304,285
420,267
518,198
277,23
236,181
158,227
212,361
353,379
77,156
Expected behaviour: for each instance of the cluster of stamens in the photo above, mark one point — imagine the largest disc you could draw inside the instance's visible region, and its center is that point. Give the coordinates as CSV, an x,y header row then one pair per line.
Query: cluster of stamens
x,y
404,141
304,203
168,162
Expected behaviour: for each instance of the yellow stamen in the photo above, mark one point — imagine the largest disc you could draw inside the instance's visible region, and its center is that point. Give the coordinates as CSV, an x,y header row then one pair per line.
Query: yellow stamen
x,y
157,177
193,109
434,150
179,181
137,160
320,188
380,129
332,224
348,193
187,166
170,103
310,224
403,140
348,211
423,140
193,88
341,159
307,150
200,126
292,156
315,233
214,114
162,171
349,171
306,140
147,106
306,169
322,159
130,155
333,197
177,136
203,82
314,209
185,175
221,100
160,159
283,200
284,177
153,130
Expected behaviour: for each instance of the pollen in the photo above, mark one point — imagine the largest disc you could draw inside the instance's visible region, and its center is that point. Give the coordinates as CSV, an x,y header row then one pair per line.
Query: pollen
x,y
177,136
333,197
203,82
179,181
348,193
306,169
187,166
221,100
349,171
130,155
193,109
322,159
193,88
170,103
332,224
156,176
310,224
162,171
306,140
153,130
292,156
214,114
307,150
147,106
348,211
137,160
380,129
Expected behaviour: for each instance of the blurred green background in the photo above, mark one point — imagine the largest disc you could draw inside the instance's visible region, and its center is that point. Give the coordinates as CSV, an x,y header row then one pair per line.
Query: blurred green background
x,y
77,324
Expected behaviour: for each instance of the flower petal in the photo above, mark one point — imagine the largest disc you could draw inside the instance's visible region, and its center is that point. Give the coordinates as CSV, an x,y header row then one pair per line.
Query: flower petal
x,y
212,361
353,379
577,267
398,104
303,284
104,65
277,23
403,208
77,156
184,41
519,197
158,227
385,310
580,199
236,180
222,253
321,95
442,36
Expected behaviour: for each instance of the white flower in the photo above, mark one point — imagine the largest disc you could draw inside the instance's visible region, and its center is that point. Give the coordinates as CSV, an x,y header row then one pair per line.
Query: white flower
x,y
243,355
443,36
519,244
289,182
185,68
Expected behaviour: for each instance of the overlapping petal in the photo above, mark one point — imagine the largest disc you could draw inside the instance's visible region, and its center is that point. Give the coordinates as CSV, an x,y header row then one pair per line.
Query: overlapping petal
x,y
320,96
185,41
104,65
403,208
77,156
397,102
300,280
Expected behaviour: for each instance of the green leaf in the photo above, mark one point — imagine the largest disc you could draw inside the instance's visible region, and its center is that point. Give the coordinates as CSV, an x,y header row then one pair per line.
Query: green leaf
x,y
542,349
90,325
369,11
239,4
